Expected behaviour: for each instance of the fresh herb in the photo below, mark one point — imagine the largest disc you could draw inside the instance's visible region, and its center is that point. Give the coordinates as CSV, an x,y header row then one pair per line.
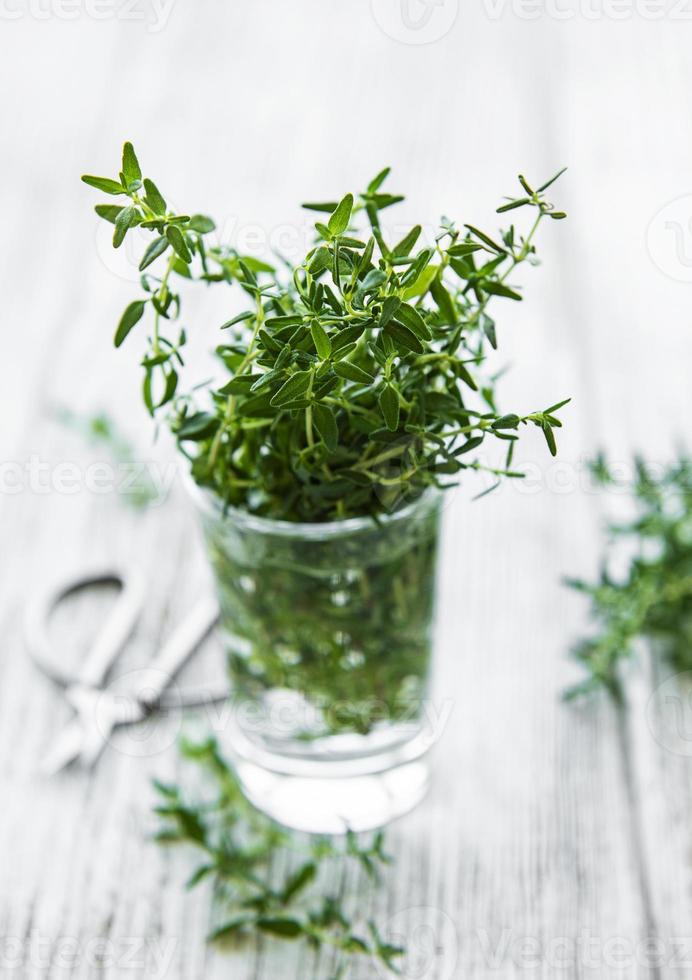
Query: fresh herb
x,y
652,598
242,851
352,382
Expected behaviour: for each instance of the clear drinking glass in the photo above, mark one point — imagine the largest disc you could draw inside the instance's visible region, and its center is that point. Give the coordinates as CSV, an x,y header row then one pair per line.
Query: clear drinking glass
x,y
327,628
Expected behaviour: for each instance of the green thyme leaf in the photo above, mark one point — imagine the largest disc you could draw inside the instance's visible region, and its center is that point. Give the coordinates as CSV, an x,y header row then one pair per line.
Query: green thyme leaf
x,y
511,205
377,181
407,242
325,423
353,373
285,928
322,342
389,403
548,183
198,426
404,339
156,248
202,224
125,220
131,168
132,315
389,308
326,206
296,385
104,184
462,249
486,239
177,240
338,222
320,261
444,301
549,438
409,317
499,289
108,211
153,197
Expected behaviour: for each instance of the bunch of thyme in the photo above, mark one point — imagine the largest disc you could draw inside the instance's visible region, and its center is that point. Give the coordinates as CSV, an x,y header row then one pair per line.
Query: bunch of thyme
x,y
240,846
351,383
653,598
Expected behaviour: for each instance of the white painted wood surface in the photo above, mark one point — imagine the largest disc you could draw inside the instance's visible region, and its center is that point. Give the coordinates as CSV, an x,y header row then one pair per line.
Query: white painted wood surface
x,y
556,839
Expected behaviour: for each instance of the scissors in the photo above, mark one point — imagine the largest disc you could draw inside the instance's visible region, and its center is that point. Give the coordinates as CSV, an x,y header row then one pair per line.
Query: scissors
x,y
99,711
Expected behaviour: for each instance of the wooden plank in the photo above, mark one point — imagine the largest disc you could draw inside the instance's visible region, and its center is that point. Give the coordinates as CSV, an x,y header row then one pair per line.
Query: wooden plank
x,y
639,400
526,838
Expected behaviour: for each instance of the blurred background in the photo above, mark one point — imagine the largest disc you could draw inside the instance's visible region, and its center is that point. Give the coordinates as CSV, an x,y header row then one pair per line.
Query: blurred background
x,y
242,110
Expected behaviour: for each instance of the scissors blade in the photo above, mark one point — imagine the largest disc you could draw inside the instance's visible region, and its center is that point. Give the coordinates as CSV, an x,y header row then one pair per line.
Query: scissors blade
x,y
94,743
68,747
84,737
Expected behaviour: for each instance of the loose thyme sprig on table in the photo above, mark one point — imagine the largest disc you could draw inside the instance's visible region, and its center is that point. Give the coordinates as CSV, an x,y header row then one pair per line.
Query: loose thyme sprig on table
x,y
353,382
652,600
239,847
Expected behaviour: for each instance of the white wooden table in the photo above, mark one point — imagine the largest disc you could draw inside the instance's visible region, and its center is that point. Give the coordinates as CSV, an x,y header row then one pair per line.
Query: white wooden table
x,y
556,840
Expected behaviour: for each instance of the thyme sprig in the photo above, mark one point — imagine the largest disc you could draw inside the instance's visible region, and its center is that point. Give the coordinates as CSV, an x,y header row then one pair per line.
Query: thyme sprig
x,y
240,846
652,598
353,381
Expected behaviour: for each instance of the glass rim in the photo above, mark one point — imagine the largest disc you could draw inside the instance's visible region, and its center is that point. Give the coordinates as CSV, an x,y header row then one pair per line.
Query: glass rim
x,y
210,502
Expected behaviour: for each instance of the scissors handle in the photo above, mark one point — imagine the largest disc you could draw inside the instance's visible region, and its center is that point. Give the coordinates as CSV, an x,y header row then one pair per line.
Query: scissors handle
x,y
110,640
176,651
